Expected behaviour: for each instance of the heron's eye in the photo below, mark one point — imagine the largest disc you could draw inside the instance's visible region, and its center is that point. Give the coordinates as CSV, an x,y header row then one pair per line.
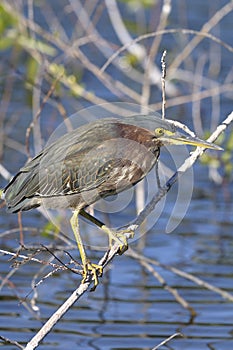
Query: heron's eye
x,y
159,132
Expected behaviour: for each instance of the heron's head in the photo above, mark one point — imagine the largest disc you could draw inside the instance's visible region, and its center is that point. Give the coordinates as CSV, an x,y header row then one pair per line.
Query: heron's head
x,y
172,136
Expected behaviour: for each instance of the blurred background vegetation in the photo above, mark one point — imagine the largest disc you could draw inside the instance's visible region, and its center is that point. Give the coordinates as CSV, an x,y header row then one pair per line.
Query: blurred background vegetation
x,y
57,52
60,56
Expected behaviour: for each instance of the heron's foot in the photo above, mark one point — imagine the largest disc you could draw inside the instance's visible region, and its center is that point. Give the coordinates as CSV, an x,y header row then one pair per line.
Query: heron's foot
x,y
123,246
121,238
92,269
121,235
123,232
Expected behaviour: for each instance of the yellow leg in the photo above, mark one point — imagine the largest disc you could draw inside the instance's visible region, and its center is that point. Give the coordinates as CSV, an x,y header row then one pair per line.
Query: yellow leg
x,y
88,267
118,237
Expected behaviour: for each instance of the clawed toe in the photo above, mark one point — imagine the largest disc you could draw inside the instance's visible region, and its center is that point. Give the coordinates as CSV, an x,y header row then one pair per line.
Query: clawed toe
x,y
123,246
92,269
122,237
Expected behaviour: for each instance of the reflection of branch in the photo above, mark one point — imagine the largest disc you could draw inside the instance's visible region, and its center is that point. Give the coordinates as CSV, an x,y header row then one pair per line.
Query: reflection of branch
x,y
109,255
148,262
148,265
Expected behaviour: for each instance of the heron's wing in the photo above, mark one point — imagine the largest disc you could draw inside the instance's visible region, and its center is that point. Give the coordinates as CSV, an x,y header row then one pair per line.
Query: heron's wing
x,y
66,166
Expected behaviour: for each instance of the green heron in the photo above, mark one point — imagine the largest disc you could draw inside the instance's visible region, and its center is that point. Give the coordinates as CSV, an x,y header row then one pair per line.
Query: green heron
x,y
96,160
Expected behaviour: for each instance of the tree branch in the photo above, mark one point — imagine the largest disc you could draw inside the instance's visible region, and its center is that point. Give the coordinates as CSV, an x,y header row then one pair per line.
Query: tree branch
x,y
83,287
109,255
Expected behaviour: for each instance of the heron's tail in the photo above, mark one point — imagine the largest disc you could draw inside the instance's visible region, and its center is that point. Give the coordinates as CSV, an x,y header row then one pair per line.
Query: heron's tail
x,y
17,195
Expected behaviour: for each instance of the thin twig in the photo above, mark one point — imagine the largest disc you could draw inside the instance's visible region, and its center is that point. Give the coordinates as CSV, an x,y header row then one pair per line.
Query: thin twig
x,y
163,83
30,258
164,342
162,32
198,86
21,237
35,119
200,95
214,20
181,126
151,72
11,342
83,287
5,173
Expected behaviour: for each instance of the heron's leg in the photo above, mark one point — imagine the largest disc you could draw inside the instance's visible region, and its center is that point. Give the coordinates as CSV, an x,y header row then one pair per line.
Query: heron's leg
x,y
118,237
95,269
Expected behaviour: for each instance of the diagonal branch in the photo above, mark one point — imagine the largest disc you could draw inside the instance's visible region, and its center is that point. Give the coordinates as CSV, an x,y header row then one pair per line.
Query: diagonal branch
x,y
109,255
83,287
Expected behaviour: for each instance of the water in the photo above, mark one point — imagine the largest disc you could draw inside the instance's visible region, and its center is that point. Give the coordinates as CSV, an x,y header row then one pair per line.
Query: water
x,y
130,309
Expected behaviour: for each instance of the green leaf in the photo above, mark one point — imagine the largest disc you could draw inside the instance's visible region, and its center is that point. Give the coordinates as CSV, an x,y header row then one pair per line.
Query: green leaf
x,y
139,3
6,20
48,229
6,42
229,145
32,68
37,45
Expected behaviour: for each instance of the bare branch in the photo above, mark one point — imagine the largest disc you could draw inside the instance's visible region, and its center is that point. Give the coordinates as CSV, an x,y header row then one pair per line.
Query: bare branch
x,y
219,15
83,287
163,81
162,32
109,255
164,342
11,342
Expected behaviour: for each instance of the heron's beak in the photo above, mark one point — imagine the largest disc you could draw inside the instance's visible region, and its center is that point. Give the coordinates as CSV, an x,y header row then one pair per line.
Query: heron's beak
x,y
178,138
